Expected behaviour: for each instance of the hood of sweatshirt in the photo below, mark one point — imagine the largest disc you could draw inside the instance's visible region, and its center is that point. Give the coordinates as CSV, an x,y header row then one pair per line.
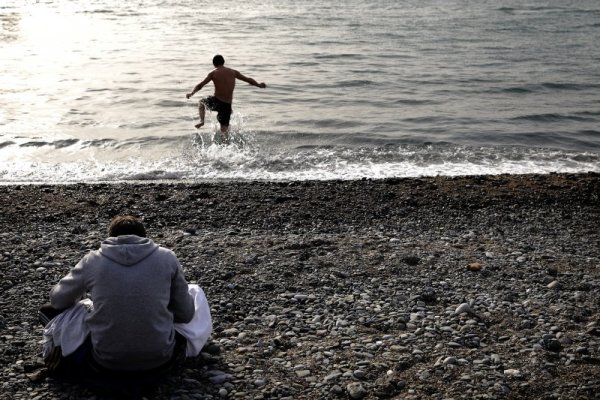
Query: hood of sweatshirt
x,y
127,249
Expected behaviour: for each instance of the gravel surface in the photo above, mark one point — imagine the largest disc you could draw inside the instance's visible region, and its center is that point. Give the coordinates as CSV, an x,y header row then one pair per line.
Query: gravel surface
x,y
431,288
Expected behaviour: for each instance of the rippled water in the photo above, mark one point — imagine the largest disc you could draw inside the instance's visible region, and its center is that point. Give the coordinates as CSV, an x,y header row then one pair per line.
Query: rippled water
x,y
95,90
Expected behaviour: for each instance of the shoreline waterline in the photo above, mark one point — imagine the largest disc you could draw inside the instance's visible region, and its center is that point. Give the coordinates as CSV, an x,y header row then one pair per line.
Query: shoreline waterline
x,y
233,181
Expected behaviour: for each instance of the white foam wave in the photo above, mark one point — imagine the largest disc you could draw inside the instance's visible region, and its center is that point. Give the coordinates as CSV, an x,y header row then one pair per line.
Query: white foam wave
x,y
209,161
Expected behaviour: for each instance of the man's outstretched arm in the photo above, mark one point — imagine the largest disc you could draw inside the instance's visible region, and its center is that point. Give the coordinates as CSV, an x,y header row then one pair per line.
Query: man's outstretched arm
x,y
249,80
200,86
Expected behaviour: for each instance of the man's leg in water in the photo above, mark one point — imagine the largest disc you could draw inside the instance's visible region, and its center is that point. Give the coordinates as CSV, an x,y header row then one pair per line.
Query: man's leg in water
x,y
201,111
225,133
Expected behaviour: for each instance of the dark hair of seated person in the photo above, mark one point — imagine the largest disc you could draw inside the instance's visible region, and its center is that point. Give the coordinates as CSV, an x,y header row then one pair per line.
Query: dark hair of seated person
x,y
126,225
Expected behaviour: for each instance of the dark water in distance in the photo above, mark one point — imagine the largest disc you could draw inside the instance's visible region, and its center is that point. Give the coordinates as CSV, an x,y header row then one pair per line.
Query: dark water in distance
x,y
95,90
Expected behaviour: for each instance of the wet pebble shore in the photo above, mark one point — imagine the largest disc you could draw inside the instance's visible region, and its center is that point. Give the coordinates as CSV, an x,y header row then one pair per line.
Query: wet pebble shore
x,y
478,287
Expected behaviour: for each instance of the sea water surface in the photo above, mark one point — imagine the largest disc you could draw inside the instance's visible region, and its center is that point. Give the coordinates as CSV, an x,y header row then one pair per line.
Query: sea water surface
x,y
95,90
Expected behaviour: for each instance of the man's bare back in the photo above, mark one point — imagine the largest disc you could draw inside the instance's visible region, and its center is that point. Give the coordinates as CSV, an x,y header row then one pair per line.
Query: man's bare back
x,y
224,80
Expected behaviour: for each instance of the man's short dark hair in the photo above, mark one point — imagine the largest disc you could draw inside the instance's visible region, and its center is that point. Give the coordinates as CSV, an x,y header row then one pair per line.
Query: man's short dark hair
x,y
218,60
126,225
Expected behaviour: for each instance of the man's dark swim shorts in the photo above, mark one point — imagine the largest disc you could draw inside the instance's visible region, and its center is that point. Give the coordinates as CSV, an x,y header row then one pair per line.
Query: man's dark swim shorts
x,y
223,109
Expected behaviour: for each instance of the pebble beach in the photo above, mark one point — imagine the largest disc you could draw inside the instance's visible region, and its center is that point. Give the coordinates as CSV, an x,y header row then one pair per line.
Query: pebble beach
x,y
479,287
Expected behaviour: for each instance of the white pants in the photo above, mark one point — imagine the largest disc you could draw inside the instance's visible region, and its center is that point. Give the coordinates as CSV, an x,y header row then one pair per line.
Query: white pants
x,y
69,329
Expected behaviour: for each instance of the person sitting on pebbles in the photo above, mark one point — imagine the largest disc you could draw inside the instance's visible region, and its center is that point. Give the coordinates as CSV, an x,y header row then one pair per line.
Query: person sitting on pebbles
x,y
141,315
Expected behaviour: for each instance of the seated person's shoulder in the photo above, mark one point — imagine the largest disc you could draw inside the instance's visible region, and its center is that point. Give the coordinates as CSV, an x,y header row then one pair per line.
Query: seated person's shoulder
x,y
165,251
168,256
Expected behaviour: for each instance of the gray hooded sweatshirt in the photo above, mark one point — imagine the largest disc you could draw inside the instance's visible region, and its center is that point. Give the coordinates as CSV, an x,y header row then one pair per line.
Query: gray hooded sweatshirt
x,y
139,291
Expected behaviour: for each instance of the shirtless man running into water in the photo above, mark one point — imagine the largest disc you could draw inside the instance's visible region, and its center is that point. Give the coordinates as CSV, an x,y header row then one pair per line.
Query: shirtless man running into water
x,y
224,80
